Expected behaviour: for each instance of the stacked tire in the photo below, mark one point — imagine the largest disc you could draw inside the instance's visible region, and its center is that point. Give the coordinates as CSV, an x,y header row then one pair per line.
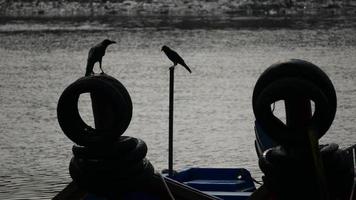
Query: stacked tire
x,y
289,168
104,160
293,79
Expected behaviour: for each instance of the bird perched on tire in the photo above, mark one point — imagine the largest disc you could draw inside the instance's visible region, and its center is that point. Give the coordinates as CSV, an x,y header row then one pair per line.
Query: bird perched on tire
x,y
96,54
174,57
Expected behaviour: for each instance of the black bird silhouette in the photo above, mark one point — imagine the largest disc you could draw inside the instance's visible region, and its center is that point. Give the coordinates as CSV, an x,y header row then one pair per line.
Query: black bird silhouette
x,y
174,57
96,54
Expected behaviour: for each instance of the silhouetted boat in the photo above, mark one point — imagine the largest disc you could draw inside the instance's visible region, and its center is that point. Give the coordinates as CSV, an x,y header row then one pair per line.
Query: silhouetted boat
x,y
189,184
112,166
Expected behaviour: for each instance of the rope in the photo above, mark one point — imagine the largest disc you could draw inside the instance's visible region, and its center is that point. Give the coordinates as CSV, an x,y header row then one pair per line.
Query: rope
x,y
274,106
166,187
256,181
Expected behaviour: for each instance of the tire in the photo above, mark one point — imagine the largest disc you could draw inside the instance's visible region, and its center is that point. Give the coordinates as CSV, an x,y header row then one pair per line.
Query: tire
x,y
104,183
296,69
289,88
102,151
72,124
126,150
109,168
122,90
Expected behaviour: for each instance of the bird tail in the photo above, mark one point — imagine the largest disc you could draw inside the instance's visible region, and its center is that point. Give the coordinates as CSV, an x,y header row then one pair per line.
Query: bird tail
x,y
186,67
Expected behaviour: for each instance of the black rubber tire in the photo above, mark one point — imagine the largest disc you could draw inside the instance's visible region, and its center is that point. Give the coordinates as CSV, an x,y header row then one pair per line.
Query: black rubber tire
x,y
102,183
122,90
127,150
100,151
114,168
289,88
300,69
72,124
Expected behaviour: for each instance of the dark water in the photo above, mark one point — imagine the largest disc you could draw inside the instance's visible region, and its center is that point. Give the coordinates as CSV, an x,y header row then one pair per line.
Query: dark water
x,y
213,112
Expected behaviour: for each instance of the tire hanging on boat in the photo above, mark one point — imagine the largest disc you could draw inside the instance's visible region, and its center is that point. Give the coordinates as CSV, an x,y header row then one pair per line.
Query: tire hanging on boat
x,y
299,69
125,150
71,122
103,161
285,89
123,91
100,183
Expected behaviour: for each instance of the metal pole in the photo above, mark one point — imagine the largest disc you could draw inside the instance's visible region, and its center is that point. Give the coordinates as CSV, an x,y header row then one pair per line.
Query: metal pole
x,y
353,191
170,136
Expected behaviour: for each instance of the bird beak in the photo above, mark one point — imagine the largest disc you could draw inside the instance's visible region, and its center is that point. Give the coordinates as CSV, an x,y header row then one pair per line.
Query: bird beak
x,y
113,42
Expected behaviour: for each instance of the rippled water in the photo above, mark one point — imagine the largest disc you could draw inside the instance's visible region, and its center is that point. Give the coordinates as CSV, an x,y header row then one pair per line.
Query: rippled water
x,y
213,114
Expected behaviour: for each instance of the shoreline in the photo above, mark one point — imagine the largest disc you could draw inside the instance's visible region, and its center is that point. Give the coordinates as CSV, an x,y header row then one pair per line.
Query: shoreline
x,y
161,8
109,23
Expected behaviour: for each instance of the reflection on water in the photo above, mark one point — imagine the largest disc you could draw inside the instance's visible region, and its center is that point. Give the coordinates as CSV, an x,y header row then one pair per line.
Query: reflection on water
x,y
213,114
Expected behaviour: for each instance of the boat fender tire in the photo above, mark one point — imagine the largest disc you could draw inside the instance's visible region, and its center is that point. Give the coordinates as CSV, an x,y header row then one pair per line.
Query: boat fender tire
x,y
127,149
126,144
73,125
75,173
146,174
109,168
122,90
298,69
99,183
289,88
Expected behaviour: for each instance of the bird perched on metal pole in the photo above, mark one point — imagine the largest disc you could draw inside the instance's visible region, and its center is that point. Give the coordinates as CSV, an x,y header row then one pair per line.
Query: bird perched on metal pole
x,y
96,54
174,57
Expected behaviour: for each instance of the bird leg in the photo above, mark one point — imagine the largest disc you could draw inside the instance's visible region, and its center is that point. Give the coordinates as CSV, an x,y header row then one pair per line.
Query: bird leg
x,y
172,67
102,71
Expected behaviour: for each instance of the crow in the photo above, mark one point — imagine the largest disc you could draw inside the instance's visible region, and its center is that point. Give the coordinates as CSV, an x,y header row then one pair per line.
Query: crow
x,y
96,54
174,57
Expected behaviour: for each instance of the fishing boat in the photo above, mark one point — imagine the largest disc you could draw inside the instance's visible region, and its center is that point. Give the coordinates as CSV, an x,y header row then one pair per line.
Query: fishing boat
x,y
107,165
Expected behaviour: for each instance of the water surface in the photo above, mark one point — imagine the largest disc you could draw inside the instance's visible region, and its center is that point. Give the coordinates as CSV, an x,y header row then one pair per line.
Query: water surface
x,y
213,112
